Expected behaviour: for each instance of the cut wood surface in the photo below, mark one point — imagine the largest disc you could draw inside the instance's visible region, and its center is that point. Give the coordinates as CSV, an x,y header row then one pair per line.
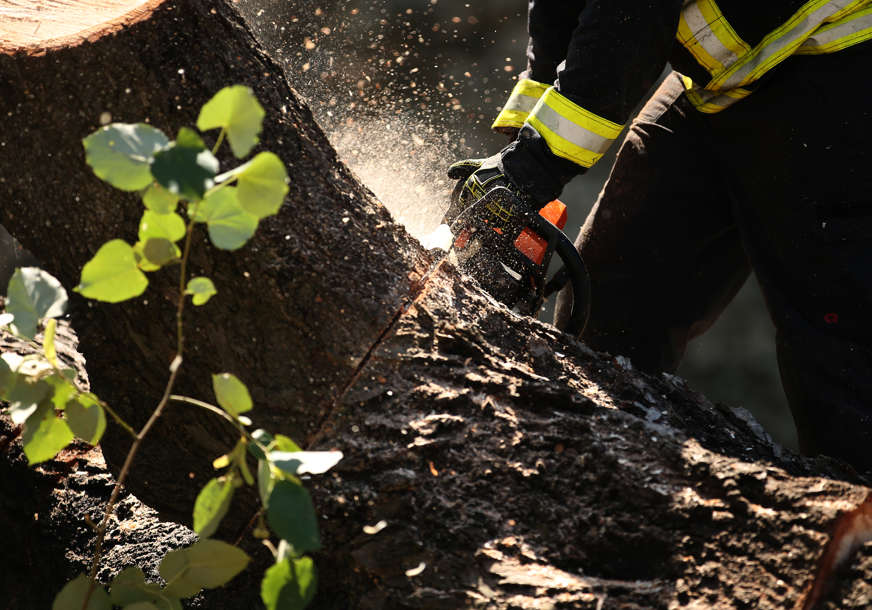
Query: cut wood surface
x,y
36,26
490,461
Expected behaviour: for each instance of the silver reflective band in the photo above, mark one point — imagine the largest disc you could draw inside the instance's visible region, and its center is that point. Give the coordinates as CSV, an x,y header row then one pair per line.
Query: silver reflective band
x,y
704,34
521,102
784,42
573,133
843,33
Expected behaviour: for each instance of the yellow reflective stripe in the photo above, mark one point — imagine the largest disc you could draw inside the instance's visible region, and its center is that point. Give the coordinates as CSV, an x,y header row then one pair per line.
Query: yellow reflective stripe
x,y
783,41
712,102
688,41
571,131
709,37
722,29
851,8
523,98
841,34
510,118
530,88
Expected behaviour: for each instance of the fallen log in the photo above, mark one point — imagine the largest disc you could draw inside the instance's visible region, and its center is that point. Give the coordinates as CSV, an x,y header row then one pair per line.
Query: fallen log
x,y
490,461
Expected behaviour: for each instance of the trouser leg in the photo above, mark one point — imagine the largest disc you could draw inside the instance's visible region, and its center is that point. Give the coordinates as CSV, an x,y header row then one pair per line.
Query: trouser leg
x,y
799,151
661,244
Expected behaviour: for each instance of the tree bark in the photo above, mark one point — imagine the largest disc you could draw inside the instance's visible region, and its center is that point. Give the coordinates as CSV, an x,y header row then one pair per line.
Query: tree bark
x,y
298,308
512,466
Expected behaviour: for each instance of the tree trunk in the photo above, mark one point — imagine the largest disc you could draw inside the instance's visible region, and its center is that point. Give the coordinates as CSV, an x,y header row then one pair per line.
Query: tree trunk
x,y
298,308
512,467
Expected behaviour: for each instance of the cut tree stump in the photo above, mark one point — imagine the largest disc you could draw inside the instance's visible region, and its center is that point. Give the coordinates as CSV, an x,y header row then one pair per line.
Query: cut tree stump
x,y
490,461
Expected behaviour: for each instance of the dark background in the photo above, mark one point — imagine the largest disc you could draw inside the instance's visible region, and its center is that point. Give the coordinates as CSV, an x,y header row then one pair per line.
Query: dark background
x,y
405,87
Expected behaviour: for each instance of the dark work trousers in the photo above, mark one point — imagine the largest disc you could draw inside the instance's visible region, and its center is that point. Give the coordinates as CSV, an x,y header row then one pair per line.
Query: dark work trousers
x,y
780,183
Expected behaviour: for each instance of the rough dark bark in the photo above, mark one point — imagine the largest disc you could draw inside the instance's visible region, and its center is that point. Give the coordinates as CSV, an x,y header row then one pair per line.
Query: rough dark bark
x,y
520,468
43,512
298,308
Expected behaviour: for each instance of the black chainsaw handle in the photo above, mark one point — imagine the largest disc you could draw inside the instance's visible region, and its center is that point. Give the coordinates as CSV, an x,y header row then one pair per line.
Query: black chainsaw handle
x,y
573,268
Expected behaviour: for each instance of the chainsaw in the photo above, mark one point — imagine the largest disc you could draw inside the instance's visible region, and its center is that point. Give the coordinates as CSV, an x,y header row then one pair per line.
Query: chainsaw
x,y
508,246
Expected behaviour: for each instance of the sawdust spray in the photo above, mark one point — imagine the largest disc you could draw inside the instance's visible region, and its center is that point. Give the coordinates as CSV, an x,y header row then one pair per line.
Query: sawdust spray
x,y
402,88
403,163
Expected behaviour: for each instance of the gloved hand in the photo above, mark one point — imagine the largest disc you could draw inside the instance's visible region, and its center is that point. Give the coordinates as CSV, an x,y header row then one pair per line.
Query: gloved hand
x,y
475,177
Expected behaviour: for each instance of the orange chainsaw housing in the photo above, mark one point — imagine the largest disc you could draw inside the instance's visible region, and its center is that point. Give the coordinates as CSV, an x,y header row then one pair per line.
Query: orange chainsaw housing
x,y
531,244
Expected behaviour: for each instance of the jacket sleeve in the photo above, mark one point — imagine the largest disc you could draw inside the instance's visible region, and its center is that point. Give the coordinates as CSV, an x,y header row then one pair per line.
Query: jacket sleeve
x,y
550,24
616,51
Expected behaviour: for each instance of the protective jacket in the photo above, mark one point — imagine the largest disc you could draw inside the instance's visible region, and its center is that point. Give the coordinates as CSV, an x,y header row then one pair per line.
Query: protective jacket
x,y
590,63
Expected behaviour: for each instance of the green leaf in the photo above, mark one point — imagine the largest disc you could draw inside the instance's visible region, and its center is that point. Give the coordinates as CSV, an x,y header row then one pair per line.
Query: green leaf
x,y
204,565
120,153
25,396
185,168
158,251
201,288
169,226
283,443
255,450
265,481
229,225
9,363
291,516
86,419
289,584
7,377
48,342
141,606
212,504
159,200
112,275
33,294
244,470
236,110
231,393
262,184
305,462
62,389
129,587
73,594
142,261
188,138
44,435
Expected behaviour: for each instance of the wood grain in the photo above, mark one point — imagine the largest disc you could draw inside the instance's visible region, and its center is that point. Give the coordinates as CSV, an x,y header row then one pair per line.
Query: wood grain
x,y
35,27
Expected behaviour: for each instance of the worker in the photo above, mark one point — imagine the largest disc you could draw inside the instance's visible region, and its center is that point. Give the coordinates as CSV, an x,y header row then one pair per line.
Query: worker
x,y
755,153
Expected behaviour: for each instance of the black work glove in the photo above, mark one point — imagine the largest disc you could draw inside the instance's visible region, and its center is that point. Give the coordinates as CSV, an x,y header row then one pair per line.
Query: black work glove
x,y
475,177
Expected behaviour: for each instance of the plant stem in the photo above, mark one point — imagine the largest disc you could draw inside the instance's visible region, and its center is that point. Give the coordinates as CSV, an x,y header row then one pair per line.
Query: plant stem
x,y
219,141
220,186
143,432
118,419
204,405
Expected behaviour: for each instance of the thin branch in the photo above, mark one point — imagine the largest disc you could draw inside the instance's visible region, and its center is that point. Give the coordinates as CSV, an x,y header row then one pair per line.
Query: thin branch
x,y
204,405
219,141
175,366
118,419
